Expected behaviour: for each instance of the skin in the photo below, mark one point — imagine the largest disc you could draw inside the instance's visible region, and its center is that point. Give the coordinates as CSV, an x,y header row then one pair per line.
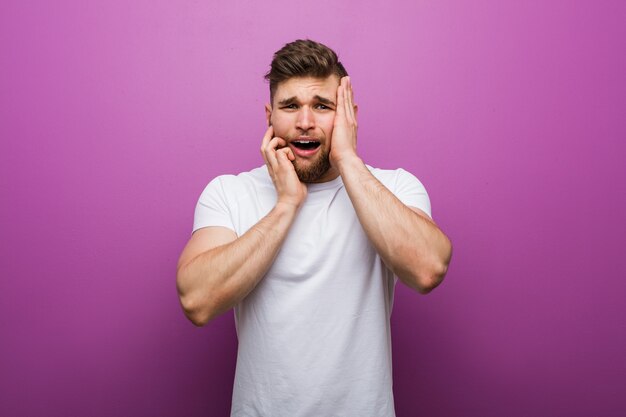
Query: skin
x,y
305,107
217,269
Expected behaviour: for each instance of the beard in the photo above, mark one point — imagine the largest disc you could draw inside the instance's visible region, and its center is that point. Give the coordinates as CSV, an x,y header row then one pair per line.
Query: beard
x,y
314,170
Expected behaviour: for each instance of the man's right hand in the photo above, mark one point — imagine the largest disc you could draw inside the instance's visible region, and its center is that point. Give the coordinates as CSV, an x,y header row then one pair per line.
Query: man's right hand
x,y
278,158
217,268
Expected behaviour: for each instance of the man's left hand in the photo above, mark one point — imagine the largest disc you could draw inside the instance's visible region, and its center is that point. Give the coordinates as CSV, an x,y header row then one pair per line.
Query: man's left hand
x,y
343,144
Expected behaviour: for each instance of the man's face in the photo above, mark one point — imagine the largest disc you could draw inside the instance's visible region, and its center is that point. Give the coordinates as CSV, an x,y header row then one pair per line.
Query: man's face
x,y
303,113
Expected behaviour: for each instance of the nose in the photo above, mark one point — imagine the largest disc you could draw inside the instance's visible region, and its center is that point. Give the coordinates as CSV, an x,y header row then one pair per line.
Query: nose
x,y
306,119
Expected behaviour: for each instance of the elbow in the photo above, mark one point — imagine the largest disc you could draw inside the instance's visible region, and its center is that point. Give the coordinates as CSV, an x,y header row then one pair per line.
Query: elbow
x,y
430,279
426,282
195,308
198,314
199,321
426,277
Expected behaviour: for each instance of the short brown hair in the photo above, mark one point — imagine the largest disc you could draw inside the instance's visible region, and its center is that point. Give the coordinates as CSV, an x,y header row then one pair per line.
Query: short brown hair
x,y
303,58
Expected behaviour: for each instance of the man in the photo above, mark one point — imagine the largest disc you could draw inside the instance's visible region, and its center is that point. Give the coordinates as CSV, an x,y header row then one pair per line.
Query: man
x,y
305,248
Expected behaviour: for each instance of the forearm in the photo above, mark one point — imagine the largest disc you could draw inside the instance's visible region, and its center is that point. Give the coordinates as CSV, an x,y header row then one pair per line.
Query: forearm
x,y
411,246
216,280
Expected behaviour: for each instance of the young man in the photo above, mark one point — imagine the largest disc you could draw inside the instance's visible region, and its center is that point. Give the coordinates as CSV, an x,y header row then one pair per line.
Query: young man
x,y
305,248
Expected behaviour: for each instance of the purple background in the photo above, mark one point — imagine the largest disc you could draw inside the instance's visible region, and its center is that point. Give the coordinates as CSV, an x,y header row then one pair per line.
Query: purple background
x,y
115,115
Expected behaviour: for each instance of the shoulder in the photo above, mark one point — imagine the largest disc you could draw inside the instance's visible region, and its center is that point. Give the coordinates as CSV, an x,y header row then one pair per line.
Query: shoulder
x,y
395,178
235,184
257,176
228,199
405,186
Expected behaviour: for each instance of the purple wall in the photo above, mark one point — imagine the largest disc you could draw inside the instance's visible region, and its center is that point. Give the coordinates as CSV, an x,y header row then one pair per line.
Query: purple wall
x,y
115,114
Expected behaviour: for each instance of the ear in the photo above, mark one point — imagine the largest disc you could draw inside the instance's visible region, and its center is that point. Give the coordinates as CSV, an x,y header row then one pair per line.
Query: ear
x,y
268,114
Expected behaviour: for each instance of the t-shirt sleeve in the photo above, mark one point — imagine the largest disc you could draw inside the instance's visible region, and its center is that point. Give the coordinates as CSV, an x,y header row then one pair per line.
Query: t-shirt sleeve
x,y
411,191
212,208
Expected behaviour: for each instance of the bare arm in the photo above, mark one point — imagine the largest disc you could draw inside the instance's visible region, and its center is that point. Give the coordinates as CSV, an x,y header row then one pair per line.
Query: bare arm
x,y
409,243
216,279
216,269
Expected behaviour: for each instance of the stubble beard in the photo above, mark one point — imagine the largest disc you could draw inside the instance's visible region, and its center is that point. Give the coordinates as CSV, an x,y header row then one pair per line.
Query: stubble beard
x,y
315,170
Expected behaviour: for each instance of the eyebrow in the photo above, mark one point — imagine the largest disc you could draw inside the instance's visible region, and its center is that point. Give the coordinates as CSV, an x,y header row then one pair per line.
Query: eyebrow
x,y
324,100
287,101
294,99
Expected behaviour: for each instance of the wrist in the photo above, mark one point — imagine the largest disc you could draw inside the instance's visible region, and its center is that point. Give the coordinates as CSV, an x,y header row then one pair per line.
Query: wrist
x,y
286,207
349,162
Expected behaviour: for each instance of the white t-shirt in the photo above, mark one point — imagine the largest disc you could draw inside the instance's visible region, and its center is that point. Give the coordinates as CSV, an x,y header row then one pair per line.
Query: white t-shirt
x,y
314,335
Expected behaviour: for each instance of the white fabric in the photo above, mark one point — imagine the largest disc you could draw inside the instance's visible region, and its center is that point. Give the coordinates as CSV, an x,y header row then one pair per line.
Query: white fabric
x,y
314,335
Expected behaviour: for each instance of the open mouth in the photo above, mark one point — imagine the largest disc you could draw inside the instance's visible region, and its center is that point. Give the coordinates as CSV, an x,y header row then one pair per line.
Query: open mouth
x,y
306,145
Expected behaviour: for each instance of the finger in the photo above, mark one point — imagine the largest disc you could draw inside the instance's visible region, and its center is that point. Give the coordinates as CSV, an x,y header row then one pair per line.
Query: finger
x,y
287,152
351,93
281,156
269,133
275,145
266,139
270,150
341,109
290,154
351,99
280,143
349,107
